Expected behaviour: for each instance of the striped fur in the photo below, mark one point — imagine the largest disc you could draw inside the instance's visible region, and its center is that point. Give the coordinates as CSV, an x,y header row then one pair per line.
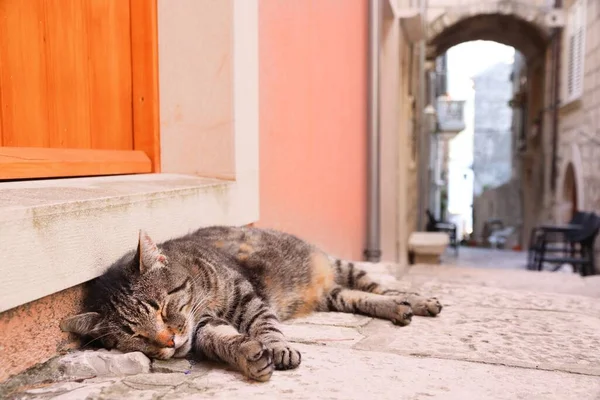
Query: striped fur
x,y
221,293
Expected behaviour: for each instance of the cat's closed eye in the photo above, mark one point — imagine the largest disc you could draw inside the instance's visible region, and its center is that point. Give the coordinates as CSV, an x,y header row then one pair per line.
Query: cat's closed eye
x,y
182,307
127,329
154,304
180,287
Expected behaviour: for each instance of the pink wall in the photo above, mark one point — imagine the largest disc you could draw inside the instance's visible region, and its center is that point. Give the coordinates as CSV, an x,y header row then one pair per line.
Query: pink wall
x,y
313,59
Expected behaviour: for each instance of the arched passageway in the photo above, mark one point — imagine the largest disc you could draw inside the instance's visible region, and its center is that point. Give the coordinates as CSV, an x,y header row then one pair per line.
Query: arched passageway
x,y
518,24
528,27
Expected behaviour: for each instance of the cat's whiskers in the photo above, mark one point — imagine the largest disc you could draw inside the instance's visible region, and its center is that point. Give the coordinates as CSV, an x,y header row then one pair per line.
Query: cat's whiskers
x,y
198,306
99,337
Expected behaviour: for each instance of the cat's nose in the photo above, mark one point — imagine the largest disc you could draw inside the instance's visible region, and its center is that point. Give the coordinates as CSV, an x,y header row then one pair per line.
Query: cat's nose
x,y
165,339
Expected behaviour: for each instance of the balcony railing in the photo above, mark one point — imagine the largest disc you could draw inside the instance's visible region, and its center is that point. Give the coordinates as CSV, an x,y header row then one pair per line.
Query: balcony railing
x,y
450,115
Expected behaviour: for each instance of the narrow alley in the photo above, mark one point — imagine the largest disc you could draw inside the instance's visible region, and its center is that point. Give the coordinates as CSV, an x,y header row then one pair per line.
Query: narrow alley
x,y
434,143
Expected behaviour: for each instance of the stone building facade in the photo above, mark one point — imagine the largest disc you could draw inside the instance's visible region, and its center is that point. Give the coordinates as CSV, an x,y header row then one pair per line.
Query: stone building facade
x,y
492,158
496,182
578,160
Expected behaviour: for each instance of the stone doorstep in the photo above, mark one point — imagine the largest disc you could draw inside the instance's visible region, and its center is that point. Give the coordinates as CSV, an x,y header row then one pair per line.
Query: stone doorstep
x,y
62,232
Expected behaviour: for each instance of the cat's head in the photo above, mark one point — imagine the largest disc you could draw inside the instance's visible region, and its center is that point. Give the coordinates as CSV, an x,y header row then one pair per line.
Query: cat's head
x,y
145,305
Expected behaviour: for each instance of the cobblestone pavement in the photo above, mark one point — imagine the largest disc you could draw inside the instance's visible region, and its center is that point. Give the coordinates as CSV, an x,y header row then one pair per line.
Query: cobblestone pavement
x,y
503,334
478,257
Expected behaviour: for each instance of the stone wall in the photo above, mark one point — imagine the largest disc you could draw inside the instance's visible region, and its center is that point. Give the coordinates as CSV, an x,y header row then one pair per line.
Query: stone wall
x,y
579,124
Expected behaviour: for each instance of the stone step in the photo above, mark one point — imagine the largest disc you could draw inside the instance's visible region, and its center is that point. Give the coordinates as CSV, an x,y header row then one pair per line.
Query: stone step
x,y
61,232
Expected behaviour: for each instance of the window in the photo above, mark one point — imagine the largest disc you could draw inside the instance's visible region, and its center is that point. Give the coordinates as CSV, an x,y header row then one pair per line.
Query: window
x,y
575,48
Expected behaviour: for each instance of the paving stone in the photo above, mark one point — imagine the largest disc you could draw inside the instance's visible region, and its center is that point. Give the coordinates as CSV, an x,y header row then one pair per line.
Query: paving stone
x,y
68,391
120,391
331,373
521,338
335,336
461,295
333,319
149,381
92,363
180,365
549,282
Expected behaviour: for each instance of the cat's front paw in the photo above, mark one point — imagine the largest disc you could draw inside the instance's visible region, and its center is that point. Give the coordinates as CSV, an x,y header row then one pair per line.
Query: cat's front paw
x,y
403,313
426,307
286,357
256,360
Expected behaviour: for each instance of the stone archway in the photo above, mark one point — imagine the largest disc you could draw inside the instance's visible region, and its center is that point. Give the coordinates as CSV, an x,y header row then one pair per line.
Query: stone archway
x,y
519,24
526,26
570,194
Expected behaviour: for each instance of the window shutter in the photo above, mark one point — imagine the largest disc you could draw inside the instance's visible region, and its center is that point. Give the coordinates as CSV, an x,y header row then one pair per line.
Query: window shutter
x,y
579,45
570,65
576,49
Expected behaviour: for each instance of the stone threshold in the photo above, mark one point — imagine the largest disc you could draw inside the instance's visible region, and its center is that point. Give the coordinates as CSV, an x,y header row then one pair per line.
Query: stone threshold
x,y
58,233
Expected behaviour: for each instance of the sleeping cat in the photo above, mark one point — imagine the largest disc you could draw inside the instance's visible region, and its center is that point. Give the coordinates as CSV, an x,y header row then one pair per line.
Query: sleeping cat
x,y
220,292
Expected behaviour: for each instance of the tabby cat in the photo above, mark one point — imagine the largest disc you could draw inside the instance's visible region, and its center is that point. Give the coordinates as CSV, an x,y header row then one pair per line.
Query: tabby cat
x,y
221,292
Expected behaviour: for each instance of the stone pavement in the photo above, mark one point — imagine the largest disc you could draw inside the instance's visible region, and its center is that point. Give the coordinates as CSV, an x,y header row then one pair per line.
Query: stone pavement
x,y
503,334
478,257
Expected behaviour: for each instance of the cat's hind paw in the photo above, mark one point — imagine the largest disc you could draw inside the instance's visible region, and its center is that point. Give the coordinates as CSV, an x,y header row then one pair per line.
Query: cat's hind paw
x,y
427,307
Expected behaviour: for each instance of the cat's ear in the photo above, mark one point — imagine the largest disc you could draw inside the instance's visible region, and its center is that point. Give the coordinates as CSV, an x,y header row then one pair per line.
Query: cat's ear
x,y
148,255
86,324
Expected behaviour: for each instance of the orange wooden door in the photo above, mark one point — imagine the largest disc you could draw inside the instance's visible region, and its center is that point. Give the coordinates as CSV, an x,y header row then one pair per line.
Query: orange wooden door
x,y
78,88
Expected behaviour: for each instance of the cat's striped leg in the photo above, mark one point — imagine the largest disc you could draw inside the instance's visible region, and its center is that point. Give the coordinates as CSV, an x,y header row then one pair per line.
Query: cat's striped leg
x,y
261,322
218,340
348,275
371,304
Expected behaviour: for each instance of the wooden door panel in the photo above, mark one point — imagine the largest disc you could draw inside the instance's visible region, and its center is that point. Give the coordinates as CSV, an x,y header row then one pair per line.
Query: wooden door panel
x,y
23,74
78,75
66,50
110,77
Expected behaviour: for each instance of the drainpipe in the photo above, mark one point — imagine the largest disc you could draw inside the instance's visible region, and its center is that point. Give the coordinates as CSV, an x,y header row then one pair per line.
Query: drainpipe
x,y
423,135
372,251
555,99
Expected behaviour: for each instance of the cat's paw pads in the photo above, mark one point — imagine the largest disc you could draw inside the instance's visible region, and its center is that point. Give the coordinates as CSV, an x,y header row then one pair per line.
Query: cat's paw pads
x,y
427,307
403,313
286,357
256,360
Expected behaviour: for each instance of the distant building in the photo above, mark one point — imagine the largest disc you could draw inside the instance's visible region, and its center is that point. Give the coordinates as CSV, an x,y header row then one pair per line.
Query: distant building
x,y
492,156
497,189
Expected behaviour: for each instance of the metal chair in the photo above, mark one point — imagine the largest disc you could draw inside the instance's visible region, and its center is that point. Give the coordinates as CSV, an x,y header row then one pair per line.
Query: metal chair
x,y
567,244
534,245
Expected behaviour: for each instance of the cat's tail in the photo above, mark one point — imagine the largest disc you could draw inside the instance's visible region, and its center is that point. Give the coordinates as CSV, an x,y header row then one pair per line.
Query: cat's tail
x,y
350,274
